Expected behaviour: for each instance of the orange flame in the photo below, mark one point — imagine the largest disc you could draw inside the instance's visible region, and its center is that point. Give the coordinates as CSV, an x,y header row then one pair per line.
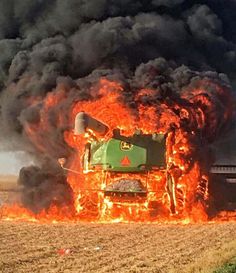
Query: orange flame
x,y
110,110
89,201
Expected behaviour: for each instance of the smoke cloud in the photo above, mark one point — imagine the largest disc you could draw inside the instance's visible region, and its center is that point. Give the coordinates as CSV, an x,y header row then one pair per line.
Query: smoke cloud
x,y
60,49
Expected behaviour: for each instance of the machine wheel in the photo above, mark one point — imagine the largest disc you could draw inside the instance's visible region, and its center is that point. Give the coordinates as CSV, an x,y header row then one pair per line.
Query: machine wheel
x,y
180,200
176,196
171,192
202,190
88,204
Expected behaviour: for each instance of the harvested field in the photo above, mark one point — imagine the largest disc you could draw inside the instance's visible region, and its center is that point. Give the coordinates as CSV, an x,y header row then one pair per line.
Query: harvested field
x,y
8,189
33,247
7,182
165,248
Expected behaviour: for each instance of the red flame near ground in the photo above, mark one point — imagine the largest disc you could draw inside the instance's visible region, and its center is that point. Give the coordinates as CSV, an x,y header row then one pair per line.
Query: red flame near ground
x,y
188,176
110,111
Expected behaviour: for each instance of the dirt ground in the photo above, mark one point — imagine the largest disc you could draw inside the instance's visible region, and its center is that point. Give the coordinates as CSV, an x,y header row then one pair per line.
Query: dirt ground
x,y
157,248
34,247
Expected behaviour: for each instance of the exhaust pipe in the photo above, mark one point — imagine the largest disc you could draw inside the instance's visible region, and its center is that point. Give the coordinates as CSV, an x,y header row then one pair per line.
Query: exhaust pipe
x,y
84,122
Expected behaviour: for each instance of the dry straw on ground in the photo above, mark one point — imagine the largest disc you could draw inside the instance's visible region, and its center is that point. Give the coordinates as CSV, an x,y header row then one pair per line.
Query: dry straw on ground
x,y
99,248
33,247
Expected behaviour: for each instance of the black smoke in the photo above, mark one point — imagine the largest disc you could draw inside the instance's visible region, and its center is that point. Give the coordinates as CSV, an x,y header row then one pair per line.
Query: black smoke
x,y
44,187
53,46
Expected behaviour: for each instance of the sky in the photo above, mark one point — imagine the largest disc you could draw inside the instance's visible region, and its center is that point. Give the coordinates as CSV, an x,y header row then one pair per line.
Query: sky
x,y
12,162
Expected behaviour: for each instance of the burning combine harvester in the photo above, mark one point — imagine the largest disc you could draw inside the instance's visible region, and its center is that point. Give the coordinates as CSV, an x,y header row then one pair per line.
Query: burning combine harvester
x,y
130,167
130,176
149,161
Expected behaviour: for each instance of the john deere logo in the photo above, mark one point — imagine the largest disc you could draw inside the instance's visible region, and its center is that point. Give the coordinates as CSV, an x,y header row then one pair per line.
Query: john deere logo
x,y
125,146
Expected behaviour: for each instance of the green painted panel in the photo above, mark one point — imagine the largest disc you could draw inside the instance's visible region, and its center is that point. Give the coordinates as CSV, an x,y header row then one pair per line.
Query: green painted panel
x,y
132,154
111,156
123,156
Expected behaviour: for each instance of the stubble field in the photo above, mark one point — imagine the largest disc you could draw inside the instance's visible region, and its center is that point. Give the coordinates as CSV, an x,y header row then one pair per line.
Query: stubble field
x,y
89,247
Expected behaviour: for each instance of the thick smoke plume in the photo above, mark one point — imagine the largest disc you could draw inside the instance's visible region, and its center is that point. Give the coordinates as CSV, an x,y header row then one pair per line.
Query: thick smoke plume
x,y
58,50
